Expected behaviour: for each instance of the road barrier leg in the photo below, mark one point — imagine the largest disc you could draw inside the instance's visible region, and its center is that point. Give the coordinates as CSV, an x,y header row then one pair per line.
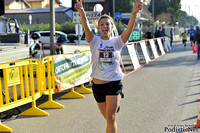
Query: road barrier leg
x,y
83,89
34,111
197,124
73,94
50,103
90,84
5,129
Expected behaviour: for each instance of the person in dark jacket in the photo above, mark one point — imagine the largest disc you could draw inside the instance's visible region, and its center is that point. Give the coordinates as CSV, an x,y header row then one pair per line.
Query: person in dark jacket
x,y
197,39
171,35
158,33
149,34
163,33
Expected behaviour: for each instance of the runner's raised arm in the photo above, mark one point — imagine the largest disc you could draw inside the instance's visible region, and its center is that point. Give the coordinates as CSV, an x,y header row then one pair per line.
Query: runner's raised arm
x,y
126,34
88,32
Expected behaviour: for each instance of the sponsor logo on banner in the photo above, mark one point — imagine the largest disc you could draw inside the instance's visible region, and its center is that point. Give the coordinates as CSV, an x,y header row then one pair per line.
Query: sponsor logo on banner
x,y
72,70
135,35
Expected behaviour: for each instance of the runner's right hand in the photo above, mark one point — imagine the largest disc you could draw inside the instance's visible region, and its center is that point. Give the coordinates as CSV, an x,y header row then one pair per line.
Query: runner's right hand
x,y
78,6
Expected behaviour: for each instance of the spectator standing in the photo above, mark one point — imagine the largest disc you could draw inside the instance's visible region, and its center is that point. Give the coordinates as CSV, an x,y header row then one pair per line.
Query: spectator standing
x,y
158,33
197,39
191,32
184,38
149,34
171,35
163,33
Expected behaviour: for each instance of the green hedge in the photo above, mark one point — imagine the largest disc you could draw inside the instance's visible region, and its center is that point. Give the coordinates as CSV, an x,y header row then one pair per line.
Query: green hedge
x,y
67,27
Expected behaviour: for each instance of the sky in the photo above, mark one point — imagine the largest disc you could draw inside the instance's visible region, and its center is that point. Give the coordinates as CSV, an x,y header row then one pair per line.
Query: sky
x,y
66,3
192,7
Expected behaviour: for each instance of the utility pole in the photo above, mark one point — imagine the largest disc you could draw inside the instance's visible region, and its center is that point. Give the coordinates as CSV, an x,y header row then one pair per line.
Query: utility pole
x,y
153,8
153,17
52,26
189,13
192,18
113,9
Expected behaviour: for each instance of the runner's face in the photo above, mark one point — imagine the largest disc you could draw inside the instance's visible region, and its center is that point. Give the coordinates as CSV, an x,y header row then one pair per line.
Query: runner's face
x,y
105,28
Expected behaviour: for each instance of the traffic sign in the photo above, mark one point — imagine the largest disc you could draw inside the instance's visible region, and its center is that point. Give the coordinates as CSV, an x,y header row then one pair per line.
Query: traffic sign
x,y
91,16
117,15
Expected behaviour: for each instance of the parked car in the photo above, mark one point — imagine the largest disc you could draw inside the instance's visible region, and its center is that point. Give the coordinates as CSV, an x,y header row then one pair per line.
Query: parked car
x,y
45,37
114,32
83,45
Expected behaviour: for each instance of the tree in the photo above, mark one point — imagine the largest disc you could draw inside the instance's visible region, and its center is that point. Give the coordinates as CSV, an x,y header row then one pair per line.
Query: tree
x,y
166,17
194,20
185,20
123,6
167,6
174,9
160,6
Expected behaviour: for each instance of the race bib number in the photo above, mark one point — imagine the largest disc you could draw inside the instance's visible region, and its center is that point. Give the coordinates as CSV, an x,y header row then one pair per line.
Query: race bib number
x,y
105,56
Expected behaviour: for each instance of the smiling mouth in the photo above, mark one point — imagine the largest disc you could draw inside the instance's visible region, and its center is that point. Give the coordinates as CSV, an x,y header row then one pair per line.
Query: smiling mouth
x,y
105,31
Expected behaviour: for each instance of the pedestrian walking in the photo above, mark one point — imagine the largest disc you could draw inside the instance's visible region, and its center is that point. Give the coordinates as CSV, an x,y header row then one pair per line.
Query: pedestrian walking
x,y
171,36
191,32
197,39
106,72
184,38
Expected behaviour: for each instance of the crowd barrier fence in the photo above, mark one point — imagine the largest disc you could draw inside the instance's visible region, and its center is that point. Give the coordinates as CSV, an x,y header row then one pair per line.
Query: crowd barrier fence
x,y
20,74
36,78
158,46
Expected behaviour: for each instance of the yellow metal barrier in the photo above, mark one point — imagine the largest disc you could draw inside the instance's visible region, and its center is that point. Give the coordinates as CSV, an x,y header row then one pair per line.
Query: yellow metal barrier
x,y
25,81
15,76
90,84
48,65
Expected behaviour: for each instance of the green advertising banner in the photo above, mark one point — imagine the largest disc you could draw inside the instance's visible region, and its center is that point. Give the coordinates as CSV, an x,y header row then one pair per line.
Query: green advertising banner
x,y
72,70
135,35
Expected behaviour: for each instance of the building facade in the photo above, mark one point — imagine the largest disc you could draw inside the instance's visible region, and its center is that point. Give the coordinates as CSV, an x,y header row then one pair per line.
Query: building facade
x,y
39,15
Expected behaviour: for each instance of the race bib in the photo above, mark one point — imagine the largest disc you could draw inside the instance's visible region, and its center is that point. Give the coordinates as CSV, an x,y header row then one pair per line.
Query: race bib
x,y
106,56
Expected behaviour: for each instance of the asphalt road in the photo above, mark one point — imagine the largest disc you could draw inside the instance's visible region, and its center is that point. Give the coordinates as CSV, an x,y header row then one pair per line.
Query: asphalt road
x,y
160,96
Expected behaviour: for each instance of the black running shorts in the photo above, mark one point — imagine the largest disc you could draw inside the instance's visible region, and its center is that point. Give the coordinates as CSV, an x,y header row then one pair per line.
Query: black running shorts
x,y
191,38
100,91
